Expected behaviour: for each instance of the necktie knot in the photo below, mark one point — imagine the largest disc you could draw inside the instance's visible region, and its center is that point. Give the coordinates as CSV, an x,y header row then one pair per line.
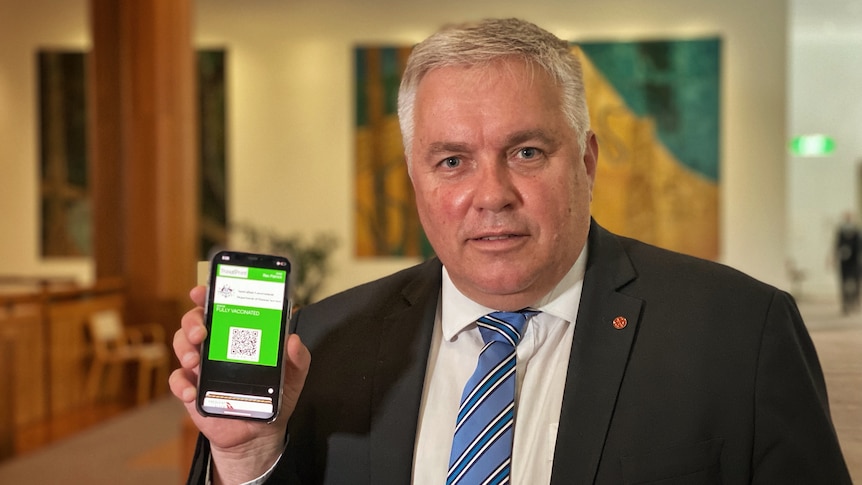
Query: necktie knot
x,y
506,327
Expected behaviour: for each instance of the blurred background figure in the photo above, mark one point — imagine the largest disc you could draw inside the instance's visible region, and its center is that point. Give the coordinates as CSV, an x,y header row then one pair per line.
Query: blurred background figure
x,y
847,248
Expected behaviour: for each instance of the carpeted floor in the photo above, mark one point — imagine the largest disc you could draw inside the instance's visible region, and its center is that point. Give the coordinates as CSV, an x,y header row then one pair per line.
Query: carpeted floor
x,y
838,339
139,447
144,445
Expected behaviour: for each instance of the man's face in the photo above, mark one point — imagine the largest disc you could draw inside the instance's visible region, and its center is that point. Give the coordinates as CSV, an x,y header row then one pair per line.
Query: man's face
x,y
502,189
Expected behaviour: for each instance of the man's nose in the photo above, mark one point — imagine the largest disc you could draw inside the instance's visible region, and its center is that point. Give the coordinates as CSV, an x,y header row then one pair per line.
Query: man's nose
x,y
495,189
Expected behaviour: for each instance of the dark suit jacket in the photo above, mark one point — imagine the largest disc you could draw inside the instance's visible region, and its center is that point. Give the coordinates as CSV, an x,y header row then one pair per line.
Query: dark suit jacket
x,y
714,379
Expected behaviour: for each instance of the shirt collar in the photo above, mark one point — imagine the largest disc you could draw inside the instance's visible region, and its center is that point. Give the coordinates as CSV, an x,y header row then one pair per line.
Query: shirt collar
x,y
460,312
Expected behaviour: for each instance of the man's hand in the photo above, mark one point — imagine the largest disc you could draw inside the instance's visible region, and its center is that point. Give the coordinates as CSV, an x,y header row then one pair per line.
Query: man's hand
x,y
241,450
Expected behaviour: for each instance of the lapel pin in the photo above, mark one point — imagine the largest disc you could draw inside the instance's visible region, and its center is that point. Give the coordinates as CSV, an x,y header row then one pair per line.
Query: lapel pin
x,y
620,323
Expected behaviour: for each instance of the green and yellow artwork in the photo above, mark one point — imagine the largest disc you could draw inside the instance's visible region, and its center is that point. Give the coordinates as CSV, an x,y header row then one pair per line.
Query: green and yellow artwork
x,y
386,220
654,107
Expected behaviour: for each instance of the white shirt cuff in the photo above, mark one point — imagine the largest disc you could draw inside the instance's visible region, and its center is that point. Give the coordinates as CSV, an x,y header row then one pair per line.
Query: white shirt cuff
x,y
256,481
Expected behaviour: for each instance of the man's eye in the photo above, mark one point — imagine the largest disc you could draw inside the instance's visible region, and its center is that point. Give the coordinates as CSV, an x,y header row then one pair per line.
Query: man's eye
x,y
528,152
451,162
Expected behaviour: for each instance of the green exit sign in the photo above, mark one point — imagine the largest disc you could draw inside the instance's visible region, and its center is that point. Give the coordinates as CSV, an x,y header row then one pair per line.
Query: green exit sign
x,y
812,145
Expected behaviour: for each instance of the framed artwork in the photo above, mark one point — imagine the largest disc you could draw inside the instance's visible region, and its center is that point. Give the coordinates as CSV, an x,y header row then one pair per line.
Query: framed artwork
x,y
65,205
655,109
212,139
386,220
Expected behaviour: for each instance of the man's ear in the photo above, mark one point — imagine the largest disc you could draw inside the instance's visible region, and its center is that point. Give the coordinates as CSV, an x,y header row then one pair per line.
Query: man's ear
x,y
591,157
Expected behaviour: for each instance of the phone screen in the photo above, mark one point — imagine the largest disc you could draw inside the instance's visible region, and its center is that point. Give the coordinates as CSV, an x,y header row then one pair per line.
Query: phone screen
x,y
246,316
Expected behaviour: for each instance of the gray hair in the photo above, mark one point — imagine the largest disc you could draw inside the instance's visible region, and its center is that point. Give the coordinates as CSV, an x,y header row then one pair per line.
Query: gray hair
x,y
481,43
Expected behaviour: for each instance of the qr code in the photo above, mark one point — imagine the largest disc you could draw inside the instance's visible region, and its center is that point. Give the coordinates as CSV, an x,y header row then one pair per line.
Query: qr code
x,y
244,344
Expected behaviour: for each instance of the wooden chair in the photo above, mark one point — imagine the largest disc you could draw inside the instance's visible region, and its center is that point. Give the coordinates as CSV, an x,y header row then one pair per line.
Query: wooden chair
x,y
115,345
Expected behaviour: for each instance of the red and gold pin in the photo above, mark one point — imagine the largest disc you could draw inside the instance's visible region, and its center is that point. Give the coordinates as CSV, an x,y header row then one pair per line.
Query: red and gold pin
x,y
620,323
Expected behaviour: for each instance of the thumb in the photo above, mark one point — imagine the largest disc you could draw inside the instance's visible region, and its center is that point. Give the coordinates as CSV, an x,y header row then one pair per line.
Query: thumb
x,y
297,361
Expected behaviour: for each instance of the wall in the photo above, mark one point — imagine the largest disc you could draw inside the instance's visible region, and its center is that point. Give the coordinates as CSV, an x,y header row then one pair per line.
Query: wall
x,y
24,29
290,107
825,78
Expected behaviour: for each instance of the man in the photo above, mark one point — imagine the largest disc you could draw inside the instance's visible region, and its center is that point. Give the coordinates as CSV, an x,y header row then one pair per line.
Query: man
x,y
636,365
848,243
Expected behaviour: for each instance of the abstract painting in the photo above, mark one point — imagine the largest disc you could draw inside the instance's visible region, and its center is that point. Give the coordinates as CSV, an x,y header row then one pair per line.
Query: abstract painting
x,y
654,107
386,220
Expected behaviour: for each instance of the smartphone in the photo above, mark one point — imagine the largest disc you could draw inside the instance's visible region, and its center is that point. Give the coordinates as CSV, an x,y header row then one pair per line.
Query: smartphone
x,y
246,314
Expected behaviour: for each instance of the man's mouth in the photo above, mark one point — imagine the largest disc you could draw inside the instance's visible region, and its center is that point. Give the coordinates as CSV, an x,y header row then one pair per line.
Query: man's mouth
x,y
497,238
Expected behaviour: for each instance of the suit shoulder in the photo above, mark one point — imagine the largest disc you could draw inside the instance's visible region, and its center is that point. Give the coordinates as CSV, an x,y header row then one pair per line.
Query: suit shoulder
x,y
399,288
653,264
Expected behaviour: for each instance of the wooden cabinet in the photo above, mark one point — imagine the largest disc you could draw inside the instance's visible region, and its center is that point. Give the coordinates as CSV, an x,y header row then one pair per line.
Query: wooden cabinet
x,y
45,327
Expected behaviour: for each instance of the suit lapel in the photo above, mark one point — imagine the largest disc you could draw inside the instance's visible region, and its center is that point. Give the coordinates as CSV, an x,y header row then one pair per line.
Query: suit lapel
x,y
399,377
598,361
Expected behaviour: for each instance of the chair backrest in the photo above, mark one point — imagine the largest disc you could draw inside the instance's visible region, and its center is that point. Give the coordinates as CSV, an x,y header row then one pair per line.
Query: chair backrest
x,y
106,329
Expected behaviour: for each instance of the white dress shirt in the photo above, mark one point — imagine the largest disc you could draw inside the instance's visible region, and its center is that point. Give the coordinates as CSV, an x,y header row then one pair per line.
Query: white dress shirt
x,y
543,359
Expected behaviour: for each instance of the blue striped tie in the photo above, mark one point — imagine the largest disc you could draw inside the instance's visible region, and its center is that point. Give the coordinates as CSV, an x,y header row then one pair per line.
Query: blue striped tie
x,y
482,448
